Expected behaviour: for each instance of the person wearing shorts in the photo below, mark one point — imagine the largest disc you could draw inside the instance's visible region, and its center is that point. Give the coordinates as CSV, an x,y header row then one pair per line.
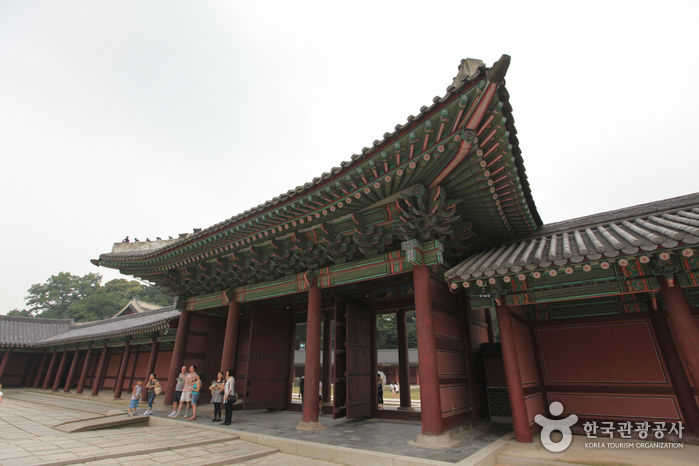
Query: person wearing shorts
x,y
178,392
135,398
195,397
187,391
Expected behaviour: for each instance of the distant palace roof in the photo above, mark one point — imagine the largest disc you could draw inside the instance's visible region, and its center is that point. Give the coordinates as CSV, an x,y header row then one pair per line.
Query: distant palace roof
x,y
37,332
26,331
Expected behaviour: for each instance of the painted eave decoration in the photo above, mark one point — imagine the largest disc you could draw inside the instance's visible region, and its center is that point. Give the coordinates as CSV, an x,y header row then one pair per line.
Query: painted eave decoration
x,y
614,253
453,174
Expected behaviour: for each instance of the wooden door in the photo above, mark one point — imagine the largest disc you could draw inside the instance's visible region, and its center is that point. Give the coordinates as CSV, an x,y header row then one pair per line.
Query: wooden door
x,y
361,379
267,378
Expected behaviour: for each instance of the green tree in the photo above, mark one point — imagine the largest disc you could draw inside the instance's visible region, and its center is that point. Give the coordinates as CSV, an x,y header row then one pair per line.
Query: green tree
x,y
151,294
84,299
53,298
23,313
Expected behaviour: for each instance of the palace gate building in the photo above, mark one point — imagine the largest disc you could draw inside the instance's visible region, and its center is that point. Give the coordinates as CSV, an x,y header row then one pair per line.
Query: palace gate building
x,y
599,313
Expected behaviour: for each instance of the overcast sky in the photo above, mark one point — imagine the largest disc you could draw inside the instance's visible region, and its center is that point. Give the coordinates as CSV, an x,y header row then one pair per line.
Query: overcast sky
x,y
153,118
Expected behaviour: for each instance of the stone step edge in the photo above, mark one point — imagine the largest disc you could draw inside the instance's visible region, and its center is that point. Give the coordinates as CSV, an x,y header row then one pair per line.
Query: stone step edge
x,y
144,451
352,456
509,460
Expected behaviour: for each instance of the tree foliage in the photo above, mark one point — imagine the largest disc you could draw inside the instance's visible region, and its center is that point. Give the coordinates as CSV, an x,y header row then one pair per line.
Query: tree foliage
x,y
84,299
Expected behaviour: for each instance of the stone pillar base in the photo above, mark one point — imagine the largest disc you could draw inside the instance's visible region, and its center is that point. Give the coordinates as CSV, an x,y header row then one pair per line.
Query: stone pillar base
x,y
310,426
407,408
438,442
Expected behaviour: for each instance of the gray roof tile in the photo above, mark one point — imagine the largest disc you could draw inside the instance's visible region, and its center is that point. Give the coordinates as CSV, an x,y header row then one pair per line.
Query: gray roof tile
x,y
25,331
646,227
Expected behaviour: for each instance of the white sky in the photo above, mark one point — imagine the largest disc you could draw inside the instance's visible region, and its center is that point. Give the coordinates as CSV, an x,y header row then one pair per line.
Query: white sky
x,y
152,118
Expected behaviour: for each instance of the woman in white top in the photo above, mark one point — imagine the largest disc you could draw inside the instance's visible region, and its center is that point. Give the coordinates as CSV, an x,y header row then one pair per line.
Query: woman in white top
x,y
228,396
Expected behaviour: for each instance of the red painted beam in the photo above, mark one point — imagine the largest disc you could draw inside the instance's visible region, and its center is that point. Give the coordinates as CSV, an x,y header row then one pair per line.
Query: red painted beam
x,y
119,387
100,371
86,368
686,331
230,342
430,399
312,369
3,363
71,372
47,379
513,375
403,360
177,355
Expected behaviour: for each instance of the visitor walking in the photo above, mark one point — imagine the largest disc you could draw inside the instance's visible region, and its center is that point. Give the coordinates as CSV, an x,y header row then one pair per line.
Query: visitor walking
x,y
153,386
380,391
217,387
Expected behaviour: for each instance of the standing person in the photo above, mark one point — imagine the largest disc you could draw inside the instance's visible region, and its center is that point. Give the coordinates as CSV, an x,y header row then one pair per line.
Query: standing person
x,y
320,398
393,390
151,386
178,392
135,397
0,393
301,387
380,391
196,385
229,396
398,389
187,391
217,387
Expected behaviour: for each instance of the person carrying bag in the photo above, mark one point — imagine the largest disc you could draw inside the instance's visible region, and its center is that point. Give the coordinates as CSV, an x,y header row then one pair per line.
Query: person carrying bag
x,y
229,396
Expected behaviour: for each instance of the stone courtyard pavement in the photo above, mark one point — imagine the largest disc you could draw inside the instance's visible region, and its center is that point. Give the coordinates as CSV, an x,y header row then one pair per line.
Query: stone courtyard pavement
x,y
27,438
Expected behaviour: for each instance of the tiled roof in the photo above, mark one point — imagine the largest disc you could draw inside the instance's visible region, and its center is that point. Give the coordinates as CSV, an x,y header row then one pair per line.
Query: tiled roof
x,y
470,71
647,227
132,324
25,331
137,306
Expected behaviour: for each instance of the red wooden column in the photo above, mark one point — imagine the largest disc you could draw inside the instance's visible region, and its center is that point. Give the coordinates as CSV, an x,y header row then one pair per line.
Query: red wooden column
x,y
151,364
513,376
489,323
430,399
71,372
683,391
685,329
61,369
83,374
3,363
133,369
230,342
100,371
177,355
468,353
403,362
42,364
312,370
119,387
47,379
327,358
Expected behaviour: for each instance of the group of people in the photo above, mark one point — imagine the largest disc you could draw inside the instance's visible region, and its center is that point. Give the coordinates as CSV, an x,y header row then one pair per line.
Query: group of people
x,y
395,390
187,391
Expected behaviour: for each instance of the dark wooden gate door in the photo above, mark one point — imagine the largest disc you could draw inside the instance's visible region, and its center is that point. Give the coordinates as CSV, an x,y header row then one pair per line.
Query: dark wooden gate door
x,y
361,382
267,379
340,366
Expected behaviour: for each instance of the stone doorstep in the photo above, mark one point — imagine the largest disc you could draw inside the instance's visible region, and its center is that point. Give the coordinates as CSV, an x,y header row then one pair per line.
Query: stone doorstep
x,y
145,451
